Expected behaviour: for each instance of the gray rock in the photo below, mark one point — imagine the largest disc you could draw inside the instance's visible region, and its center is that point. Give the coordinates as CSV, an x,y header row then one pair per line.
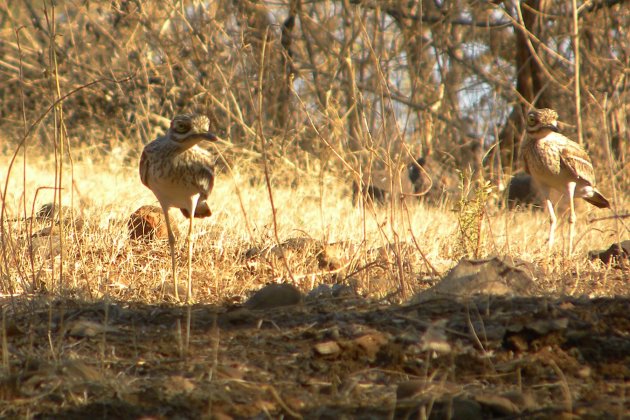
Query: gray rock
x,y
480,277
274,296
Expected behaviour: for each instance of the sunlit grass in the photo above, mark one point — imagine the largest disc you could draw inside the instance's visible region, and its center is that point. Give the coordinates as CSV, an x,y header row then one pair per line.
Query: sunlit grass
x,y
104,191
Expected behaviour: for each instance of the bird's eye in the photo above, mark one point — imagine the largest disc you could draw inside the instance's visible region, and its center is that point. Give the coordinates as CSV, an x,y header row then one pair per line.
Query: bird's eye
x,y
182,126
531,119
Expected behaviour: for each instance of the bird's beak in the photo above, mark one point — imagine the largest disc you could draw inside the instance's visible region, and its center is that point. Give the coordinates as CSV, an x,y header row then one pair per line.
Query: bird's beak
x,y
209,136
552,127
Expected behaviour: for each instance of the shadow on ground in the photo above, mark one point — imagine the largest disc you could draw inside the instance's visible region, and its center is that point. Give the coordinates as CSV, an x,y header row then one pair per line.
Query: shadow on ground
x,y
327,358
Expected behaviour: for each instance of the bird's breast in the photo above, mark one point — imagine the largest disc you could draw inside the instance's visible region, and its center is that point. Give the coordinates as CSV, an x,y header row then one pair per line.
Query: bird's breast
x,y
542,158
174,193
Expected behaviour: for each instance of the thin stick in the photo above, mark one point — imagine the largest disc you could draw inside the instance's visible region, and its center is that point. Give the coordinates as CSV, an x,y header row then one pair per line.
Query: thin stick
x,y
264,151
576,46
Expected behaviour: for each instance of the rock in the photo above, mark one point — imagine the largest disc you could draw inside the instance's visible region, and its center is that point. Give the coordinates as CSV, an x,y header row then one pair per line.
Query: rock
x,y
522,192
148,223
327,348
434,339
50,211
480,277
327,291
321,291
523,335
618,254
274,296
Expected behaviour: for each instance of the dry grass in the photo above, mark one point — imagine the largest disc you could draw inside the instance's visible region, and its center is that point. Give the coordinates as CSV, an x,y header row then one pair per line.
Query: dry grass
x,y
101,106
99,260
85,329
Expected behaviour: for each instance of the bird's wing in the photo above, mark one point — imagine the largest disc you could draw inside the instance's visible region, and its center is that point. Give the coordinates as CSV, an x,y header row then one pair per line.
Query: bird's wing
x,y
204,180
574,158
525,164
202,171
144,169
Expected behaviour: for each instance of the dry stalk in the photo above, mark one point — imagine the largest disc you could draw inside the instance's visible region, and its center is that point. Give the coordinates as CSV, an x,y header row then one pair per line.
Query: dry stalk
x,y
263,142
576,71
5,344
564,386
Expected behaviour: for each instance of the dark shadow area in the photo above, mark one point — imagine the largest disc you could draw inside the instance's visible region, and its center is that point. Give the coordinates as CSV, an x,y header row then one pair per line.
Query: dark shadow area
x,y
488,357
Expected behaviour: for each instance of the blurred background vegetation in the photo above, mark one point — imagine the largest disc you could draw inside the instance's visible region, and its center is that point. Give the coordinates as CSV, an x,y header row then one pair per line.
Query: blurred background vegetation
x,y
326,84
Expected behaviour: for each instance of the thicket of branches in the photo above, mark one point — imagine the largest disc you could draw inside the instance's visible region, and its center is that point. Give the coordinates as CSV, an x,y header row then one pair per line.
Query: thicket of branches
x,y
344,81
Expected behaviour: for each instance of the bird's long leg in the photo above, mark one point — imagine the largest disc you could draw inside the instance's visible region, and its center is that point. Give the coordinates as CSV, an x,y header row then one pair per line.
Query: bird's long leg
x,y
171,244
552,222
572,217
190,247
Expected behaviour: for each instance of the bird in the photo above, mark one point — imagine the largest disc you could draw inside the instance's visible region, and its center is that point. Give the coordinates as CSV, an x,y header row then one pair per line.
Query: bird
x,y
556,162
181,175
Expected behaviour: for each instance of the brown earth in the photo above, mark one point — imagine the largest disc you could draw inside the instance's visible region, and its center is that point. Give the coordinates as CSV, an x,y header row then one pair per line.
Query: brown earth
x,y
326,357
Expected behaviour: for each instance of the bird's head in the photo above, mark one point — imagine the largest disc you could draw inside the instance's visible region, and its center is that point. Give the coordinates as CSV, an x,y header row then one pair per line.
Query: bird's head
x,y
190,129
539,119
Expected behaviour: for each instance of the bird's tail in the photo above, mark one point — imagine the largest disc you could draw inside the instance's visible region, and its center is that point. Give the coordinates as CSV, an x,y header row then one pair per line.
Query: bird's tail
x,y
598,200
202,210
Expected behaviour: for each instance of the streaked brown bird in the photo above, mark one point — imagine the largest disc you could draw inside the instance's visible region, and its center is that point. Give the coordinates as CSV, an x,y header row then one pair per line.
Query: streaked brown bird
x,y
181,175
555,161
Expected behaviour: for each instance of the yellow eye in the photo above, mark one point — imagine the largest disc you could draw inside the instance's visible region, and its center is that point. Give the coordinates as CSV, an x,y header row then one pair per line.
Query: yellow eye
x,y
182,126
531,119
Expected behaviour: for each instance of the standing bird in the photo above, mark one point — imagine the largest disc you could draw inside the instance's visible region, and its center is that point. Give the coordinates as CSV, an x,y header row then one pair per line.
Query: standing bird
x,y
180,174
554,161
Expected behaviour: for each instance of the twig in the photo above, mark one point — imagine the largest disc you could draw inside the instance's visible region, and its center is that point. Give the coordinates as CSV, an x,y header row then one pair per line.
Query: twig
x,y
614,216
576,76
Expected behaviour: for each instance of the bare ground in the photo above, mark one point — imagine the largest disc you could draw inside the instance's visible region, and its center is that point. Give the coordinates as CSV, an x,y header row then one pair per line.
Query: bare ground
x,y
345,357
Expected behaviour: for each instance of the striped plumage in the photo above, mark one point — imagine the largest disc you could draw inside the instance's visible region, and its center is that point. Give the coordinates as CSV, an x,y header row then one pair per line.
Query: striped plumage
x,y
556,162
180,174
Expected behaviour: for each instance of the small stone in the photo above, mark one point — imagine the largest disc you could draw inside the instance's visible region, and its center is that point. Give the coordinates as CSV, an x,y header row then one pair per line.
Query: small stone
x,y
327,348
51,211
274,296
584,372
322,291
